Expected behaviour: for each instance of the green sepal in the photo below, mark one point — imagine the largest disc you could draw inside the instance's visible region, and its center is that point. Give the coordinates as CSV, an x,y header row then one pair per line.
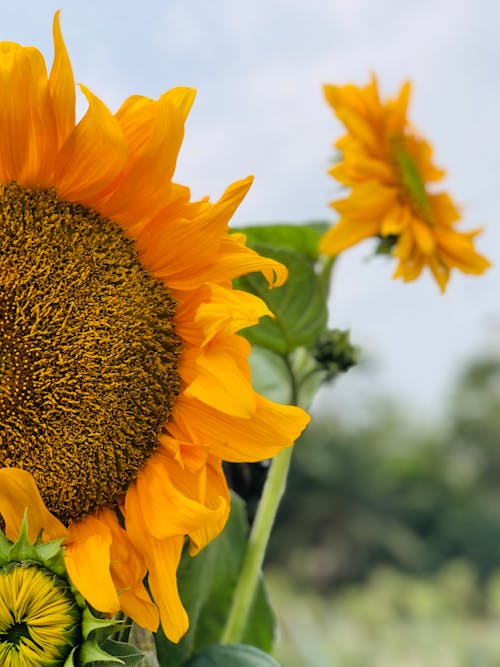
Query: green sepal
x,y
69,662
52,555
91,652
386,244
23,549
5,547
91,623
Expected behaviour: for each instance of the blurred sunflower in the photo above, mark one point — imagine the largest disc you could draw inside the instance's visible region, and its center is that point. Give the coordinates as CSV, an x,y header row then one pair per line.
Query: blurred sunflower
x,y
389,169
123,382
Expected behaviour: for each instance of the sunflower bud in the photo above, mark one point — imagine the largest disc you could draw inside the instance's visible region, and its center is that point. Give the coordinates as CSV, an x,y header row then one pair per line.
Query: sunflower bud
x,y
335,353
43,618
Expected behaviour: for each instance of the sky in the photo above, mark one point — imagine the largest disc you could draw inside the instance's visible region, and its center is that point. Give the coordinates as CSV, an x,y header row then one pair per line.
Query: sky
x,y
259,68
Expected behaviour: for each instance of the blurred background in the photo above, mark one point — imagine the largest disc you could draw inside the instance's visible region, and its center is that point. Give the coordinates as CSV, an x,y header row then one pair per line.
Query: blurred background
x,y
387,548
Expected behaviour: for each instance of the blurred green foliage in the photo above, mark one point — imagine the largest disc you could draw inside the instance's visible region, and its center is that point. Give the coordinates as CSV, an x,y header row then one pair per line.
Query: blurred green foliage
x,y
395,491
390,620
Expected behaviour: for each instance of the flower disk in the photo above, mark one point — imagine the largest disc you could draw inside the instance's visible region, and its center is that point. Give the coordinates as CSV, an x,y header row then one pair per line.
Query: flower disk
x,y
389,169
80,319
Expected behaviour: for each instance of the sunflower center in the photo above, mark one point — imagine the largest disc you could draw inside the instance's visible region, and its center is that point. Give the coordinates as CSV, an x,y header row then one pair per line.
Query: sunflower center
x,y
412,181
88,352
39,618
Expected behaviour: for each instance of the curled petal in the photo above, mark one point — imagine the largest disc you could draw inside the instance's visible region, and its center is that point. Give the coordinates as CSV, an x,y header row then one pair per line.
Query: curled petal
x,y
162,558
19,494
87,557
270,429
128,571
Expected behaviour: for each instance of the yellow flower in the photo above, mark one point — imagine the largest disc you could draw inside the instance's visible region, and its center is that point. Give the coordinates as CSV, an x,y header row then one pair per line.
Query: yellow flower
x,y
389,169
123,382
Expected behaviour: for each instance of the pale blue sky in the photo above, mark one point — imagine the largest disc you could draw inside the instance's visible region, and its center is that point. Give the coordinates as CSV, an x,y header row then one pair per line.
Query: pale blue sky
x,y
258,67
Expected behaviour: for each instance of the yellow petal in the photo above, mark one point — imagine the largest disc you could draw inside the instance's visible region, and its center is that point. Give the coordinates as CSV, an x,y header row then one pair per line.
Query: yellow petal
x,y
227,311
270,429
361,130
423,236
87,558
62,85
411,268
19,494
164,491
405,246
368,200
136,117
166,245
458,250
128,570
395,221
345,234
28,134
234,259
162,565
397,118
145,187
221,376
216,488
92,155
182,98
440,272
162,559
443,208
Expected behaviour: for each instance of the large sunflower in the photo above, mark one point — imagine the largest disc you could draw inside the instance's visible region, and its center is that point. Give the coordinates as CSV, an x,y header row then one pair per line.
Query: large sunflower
x,y
389,169
123,382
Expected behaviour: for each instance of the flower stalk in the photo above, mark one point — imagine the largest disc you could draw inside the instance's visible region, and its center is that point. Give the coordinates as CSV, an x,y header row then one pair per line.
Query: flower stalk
x,y
244,594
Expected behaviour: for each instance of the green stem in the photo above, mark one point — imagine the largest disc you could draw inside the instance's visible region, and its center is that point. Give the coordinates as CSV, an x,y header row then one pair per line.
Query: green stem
x,y
248,581
249,578
326,273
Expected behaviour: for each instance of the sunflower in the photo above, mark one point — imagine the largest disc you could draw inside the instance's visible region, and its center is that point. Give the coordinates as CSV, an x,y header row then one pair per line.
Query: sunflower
x,y
123,381
389,170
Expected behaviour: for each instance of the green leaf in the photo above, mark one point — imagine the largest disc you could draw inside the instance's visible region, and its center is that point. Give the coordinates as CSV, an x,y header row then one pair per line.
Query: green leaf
x,y
232,655
128,654
270,374
260,630
303,238
206,585
299,306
